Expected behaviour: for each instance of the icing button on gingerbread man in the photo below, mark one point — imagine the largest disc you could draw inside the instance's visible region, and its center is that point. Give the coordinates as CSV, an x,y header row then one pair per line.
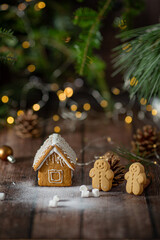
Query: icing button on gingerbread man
x,y
136,179
102,175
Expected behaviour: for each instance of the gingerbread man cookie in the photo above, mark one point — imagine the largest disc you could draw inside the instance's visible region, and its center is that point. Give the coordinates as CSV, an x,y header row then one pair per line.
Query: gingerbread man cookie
x,y
101,175
136,179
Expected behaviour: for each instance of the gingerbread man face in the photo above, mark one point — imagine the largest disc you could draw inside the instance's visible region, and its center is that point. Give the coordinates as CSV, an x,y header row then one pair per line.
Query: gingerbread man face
x,y
136,168
101,165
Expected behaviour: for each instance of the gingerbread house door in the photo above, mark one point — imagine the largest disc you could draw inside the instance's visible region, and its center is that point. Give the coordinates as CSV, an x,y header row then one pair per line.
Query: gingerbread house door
x,y
55,176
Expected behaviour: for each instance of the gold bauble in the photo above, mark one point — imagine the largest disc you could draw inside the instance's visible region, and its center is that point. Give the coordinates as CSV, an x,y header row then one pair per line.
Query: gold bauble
x,y
5,151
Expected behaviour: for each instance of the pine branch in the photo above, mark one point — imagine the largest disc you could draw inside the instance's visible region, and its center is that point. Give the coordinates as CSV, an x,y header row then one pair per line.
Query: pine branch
x,y
7,59
90,34
6,33
138,57
131,157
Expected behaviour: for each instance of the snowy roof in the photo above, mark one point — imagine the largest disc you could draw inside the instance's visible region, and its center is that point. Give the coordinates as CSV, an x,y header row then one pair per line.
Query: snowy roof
x,y
54,143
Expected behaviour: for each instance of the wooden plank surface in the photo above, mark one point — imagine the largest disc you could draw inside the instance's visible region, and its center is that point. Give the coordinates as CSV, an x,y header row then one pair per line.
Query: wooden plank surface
x,y
25,212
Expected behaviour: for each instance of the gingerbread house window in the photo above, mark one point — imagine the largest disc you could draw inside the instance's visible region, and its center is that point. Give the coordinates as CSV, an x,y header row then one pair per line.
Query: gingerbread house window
x,y
55,176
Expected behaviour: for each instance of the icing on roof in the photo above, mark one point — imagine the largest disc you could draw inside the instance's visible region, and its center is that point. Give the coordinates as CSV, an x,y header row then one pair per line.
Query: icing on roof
x,y
46,150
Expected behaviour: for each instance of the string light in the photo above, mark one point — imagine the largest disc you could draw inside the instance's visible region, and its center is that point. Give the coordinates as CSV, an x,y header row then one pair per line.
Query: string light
x,y
67,39
5,99
21,7
143,101
25,44
36,8
4,6
57,129
54,86
10,120
20,112
154,112
59,92
36,107
41,5
104,103
86,106
31,68
55,118
28,0
133,81
73,107
68,91
127,48
109,139
115,91
149,108
62,96
155,162
78,114
128,119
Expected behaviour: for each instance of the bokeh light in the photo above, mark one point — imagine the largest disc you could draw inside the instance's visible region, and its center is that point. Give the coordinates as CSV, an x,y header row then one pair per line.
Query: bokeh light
x,y
149,108
104,103
54,86
25,44
154,112
5,99
68,91
115,91
20,112
68,39
127,47
143,101
62,96
36,107
57,129
78,114
4,6
55,117
21,7
41,5
133,81
86,106
31,68
73,107
10,120
128,119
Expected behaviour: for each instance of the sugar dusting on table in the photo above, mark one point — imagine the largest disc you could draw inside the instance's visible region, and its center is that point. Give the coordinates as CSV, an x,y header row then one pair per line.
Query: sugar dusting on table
x,y
70,198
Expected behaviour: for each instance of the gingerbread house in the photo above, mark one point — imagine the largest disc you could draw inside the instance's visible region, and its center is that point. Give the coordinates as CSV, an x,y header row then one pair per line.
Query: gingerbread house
x,y
55,162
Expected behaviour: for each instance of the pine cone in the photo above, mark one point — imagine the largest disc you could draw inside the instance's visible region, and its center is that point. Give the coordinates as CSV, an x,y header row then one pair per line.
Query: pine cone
x,y
146,141
118,169
27,125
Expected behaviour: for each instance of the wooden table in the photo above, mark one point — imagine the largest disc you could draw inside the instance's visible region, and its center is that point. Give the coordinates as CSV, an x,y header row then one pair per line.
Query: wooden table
x,y
25,213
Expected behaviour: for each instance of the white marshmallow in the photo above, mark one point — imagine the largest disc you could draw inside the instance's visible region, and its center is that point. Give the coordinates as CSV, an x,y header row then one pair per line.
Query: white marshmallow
x,y
83,188
56,198
95,192
2,196
53,203
84,194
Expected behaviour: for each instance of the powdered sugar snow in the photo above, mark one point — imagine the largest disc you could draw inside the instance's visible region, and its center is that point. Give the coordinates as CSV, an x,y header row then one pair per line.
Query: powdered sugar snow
x,y
29,194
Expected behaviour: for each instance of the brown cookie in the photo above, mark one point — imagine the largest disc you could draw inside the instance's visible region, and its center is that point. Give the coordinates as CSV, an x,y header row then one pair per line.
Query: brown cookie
x,y
102,175
136,179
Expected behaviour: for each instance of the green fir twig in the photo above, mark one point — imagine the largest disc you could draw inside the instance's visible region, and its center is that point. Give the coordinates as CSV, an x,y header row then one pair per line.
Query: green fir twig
x,y
138,57
90,34
131,157
6,33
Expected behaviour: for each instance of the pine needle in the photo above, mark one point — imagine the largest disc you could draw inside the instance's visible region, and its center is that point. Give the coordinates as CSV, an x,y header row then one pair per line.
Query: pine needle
x,y
139,57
